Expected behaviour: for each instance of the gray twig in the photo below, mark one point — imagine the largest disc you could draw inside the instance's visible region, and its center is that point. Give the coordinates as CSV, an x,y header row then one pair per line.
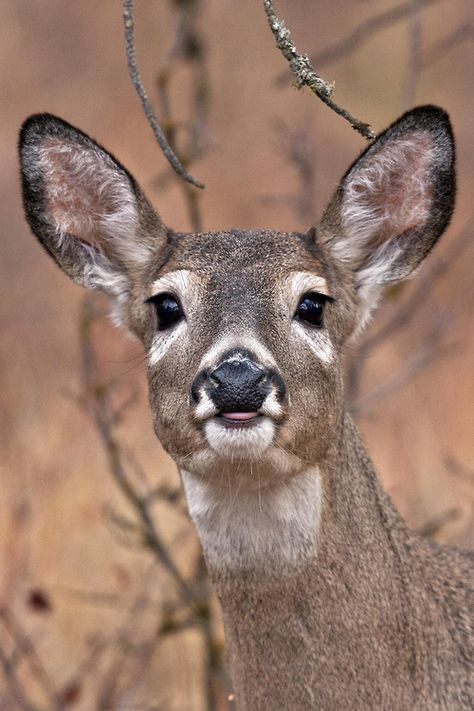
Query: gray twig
x,y
97,395
187,46
463,33
407,372
436,524
305,74
409,309
454,466
26,649
129,24
359,36
414,53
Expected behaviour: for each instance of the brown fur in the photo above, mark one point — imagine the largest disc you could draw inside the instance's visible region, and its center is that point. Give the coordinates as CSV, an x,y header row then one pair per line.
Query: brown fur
x,y
329,601
374,621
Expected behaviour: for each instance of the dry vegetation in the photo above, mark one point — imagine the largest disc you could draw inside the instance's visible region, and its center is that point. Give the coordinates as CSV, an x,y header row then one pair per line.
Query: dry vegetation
x,y
104,598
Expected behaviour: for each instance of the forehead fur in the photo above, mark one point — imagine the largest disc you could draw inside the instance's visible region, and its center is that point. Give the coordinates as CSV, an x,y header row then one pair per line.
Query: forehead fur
x,y
230,253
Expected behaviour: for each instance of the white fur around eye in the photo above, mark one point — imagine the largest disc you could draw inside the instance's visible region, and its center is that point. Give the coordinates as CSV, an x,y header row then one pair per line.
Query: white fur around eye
x,y
163,341
318,340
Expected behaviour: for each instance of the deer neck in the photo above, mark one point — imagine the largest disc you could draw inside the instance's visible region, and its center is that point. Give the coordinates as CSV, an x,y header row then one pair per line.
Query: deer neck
x,y
307,577
325,513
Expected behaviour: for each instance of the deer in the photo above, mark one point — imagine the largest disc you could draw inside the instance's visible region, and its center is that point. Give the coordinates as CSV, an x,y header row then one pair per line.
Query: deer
x,y
329,600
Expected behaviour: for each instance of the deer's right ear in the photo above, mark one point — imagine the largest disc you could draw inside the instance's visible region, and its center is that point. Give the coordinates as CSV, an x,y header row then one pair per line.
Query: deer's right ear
x,y
84,206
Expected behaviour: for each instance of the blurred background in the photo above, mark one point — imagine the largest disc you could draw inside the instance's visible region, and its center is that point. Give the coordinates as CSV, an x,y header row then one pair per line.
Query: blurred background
x,y
104,600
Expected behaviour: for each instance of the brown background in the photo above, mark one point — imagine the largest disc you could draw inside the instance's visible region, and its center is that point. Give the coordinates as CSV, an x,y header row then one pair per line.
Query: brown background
x,y
68,58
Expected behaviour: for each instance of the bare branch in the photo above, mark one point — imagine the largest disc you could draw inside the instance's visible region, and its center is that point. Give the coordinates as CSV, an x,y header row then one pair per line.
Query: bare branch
x,y
305,73
296,145
15,688
414,53
187,46
463,33
358,37
454,466
25,649
299,63
409,309
406,373
128,20
432,527
97,396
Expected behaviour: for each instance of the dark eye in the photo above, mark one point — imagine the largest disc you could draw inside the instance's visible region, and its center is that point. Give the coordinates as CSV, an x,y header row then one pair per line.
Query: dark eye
x,y
311,309
168,310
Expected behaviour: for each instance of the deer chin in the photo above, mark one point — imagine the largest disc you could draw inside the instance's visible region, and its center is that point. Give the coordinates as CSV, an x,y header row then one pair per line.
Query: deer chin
x,y
242,435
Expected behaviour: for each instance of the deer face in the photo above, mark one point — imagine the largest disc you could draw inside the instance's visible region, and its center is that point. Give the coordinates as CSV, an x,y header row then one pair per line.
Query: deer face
x,y
243,330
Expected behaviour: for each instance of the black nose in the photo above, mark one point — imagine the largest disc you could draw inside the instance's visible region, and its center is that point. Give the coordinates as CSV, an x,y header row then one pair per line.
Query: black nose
x,y
239,386
238,383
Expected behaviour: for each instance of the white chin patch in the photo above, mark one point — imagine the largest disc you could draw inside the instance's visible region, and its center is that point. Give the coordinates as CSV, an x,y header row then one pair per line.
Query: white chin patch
x,y
244,442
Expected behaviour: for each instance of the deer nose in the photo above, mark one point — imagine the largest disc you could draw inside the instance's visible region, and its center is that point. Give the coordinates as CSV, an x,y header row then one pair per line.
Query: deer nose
x,y
238,385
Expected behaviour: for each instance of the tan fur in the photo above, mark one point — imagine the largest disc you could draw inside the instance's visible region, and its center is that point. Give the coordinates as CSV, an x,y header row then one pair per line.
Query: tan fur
x,y
329,602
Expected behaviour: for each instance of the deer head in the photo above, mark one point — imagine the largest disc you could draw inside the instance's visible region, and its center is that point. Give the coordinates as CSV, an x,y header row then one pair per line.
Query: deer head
x,y
244,330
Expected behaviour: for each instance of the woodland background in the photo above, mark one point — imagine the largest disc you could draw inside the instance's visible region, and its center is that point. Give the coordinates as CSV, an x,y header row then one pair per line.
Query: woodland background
x,y
92,616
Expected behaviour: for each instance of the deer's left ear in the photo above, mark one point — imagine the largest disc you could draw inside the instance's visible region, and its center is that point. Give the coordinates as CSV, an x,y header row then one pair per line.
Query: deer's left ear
x,y
393,203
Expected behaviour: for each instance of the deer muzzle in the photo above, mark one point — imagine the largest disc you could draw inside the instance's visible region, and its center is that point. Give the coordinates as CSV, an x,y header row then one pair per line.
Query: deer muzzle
x,y
237,388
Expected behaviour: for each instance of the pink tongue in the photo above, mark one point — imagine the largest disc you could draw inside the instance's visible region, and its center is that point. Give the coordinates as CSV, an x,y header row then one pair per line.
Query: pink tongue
x,y
240,416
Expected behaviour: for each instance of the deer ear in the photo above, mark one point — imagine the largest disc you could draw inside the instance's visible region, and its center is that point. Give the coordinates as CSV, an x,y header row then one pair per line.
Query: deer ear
x,y
84,207
393,203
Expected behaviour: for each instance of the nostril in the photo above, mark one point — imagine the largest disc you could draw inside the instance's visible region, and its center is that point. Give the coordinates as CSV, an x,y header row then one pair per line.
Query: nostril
x,y
215,377
198,383
279,384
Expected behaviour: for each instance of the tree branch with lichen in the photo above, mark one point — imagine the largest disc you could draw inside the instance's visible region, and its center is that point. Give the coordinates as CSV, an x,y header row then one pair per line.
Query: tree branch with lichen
x,y
305,74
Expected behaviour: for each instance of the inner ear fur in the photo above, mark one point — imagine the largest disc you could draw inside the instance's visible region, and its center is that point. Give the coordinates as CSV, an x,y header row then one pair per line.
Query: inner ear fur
x,y
83,205
395,200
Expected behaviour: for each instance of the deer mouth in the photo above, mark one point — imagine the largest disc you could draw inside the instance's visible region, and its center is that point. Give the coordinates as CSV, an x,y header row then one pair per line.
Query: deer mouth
x,y
246,435
238,419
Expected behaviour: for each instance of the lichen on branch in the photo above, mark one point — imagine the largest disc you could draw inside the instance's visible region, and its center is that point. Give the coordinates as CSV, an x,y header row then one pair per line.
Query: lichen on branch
x,y
305,74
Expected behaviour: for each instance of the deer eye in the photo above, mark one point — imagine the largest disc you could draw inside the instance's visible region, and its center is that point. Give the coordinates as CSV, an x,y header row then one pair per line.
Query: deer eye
x,y
311,309
168,310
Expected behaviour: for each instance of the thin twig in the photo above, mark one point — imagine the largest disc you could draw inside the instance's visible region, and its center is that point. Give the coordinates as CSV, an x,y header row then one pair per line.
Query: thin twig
x,y
26,649
409,309
414,53
458,469
425,287
102,419
118,679
187,46
358,37
407,372
296,145
436,524
464,32
305,73
128,20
